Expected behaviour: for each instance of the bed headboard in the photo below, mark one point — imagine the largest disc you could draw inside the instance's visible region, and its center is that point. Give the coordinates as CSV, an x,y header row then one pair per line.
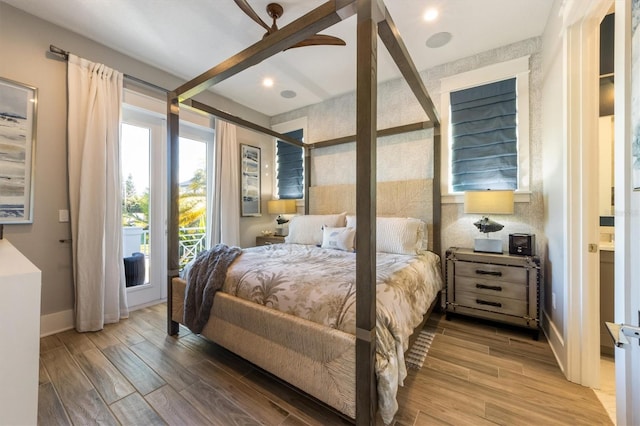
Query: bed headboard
x,y
406,198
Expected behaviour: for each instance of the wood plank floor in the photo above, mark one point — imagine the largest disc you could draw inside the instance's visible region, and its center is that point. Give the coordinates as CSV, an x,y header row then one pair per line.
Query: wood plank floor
x,y
132,373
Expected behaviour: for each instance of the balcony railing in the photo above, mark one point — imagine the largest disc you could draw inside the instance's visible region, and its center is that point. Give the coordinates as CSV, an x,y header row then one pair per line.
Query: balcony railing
x,y
191,242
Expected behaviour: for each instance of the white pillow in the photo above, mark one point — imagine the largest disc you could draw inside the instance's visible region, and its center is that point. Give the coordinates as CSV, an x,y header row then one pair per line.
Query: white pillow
x,y
338,238
351,221
397,234
308,229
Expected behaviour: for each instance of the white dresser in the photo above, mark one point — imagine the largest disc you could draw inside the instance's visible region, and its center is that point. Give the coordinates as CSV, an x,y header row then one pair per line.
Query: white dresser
x,y
20,284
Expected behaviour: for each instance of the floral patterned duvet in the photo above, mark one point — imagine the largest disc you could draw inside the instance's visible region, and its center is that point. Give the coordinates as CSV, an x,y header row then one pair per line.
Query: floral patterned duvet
x,y
319,285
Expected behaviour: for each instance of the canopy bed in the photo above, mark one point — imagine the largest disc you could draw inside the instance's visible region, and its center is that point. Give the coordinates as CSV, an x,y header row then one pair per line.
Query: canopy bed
x,y
230,313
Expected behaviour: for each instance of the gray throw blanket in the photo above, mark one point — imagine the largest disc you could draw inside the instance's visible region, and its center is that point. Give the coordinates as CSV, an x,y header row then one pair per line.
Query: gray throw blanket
x,y
204,279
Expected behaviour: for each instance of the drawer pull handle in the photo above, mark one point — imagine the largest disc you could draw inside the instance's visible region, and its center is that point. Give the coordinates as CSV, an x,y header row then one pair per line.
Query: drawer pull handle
x,y
484,302
489,287
494,273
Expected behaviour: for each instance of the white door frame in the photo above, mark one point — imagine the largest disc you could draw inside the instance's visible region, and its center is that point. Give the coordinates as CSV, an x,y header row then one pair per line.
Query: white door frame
x,y
627,225
581,44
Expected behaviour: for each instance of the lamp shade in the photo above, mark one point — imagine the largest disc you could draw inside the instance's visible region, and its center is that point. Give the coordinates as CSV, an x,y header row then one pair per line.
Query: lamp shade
x,y
489,201
281,206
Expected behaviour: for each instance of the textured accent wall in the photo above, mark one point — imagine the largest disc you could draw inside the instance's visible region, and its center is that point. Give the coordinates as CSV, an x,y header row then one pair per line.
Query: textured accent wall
x,y
409,156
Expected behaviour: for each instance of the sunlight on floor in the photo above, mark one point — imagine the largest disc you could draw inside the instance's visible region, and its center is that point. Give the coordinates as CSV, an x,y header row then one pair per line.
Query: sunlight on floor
x,y
607,392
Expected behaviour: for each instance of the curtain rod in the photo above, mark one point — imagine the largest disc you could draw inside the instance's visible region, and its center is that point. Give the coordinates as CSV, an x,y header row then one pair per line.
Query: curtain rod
x,y
63,53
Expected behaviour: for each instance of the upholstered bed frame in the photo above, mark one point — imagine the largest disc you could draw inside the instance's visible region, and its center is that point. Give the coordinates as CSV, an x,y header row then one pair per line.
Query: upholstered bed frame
x,y
316,359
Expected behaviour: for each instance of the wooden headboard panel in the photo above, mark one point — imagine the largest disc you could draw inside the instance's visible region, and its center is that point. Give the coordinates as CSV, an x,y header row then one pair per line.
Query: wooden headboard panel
x,y
407,198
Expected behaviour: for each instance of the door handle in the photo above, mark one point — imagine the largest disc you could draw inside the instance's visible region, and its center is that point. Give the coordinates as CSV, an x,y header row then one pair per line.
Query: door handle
x,y
620,333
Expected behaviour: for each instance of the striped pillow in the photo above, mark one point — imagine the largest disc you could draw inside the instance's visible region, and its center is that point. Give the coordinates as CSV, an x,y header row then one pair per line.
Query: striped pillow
x,y
400,235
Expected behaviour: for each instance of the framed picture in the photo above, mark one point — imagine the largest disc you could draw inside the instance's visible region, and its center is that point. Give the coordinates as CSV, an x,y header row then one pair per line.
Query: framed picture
x,y
18,105
250,180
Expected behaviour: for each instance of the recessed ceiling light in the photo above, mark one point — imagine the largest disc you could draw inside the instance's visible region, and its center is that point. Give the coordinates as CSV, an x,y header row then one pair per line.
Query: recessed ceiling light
x,y
430,15
288,94
267,82
439,39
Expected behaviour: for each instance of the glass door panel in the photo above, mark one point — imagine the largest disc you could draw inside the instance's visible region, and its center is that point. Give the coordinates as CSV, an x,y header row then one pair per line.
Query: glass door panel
x,y
193,176
134,154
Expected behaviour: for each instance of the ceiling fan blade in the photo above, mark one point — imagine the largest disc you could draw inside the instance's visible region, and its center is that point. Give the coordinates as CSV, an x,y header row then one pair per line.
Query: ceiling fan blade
x,y
320,40
242,4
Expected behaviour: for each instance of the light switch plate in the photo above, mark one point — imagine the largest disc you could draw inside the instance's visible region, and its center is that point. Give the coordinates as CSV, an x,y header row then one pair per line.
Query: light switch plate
x,y
63,215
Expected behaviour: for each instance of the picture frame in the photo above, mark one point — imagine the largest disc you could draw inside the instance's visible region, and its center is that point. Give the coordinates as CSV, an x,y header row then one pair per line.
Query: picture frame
x,y
18,113
250,185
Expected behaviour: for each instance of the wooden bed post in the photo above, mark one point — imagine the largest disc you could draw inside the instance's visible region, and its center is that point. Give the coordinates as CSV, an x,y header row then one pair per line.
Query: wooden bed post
x,y
366,138
307,177
173,255
437,200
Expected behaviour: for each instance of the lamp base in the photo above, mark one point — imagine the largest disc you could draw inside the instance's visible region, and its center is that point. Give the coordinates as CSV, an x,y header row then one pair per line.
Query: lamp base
x,y
487,245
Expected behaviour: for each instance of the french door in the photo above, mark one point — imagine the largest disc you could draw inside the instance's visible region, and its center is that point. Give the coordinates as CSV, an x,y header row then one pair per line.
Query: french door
x,y
143,167
143,147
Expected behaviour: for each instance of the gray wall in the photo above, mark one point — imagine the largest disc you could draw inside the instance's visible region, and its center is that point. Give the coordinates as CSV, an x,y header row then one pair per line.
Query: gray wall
x,y
24,47
408,156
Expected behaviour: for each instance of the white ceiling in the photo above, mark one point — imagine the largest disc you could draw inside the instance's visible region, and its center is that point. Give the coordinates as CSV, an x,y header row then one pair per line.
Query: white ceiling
x,y
188,37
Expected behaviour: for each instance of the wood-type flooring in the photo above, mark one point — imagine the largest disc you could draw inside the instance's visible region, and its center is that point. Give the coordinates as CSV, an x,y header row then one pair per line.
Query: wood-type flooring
x,y
132,373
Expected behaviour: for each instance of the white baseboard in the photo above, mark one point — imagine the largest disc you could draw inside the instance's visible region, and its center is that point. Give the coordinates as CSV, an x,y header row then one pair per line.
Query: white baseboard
x,y
56,322
64,320
556,342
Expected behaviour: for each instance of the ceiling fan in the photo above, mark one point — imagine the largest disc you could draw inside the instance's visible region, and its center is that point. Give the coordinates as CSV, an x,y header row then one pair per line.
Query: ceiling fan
x,y
274,10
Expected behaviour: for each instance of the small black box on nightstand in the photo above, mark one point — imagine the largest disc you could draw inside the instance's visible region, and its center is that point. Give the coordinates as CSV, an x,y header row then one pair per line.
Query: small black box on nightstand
x,y
522,244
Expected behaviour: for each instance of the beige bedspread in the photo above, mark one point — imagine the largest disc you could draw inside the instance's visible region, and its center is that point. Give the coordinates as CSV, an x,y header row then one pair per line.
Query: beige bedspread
x,y
319,285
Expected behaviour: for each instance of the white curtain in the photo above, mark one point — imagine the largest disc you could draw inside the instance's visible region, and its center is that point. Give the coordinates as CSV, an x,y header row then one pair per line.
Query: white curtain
x,y
226,205
93,131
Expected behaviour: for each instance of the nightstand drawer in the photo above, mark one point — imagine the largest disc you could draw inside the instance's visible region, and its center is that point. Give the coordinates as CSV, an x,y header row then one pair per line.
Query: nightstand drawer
x,y
490,287
491,272
497,304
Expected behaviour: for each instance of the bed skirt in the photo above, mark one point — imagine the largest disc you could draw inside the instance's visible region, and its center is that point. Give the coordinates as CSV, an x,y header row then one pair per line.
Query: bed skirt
x,y
316,359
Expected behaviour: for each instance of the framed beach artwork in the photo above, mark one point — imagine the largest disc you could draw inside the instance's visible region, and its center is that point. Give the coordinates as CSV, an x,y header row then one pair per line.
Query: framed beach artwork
x,y
250,180
18,103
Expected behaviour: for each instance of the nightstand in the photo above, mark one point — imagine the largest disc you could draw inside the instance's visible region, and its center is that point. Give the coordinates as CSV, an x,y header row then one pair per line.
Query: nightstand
x,y
498,287
272,239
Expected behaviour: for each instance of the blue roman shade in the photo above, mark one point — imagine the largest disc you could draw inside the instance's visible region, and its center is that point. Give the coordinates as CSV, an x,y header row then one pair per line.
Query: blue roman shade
x,y
290,173
483,126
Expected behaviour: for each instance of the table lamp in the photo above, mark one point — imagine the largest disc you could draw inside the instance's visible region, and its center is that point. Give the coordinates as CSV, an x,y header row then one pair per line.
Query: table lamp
x,y
488,202
281,207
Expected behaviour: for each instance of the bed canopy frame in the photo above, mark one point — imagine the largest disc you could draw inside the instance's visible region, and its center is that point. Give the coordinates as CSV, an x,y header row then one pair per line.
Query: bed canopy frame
x,y
373,20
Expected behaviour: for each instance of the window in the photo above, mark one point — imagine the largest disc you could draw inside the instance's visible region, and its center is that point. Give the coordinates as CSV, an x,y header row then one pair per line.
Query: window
x,y
484,151
290,168
485,129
